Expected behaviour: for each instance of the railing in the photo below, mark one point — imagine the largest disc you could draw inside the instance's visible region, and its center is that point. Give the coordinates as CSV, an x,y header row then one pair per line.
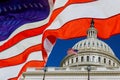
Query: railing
x,y
83,68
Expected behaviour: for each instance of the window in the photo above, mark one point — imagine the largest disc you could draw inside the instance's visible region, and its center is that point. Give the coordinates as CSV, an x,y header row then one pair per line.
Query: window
x,y
93,58
93,32
88,44
84,43
104,60
93,43
109,62
81,44
89,33
77,46
99,59
88,58
113,64
68,62
105,46
71,60
97,44
82,59
76,59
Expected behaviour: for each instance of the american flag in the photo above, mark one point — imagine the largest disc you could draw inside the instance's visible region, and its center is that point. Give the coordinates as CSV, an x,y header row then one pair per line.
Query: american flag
x,y
30,45
72,51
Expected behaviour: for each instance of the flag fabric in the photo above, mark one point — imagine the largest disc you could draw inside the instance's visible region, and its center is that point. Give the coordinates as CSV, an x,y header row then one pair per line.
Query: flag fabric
x,y
20,36
30,44
72,51
71,19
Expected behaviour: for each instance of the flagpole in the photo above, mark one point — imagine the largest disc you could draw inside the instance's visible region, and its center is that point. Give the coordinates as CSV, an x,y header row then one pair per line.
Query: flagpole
x,y
44,73
88,69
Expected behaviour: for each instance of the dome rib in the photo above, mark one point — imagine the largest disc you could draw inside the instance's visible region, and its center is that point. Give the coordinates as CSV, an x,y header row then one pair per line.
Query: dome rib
x,y
93,44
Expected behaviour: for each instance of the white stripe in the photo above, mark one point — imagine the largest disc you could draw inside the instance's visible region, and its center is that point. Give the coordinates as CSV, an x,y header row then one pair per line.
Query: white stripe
x,y
48,46
51,3
24,44
9,72
26,27
30,25
20,47
59,3
97,9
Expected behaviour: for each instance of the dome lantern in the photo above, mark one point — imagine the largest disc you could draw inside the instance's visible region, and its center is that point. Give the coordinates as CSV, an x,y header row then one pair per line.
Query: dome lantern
x,y
92,32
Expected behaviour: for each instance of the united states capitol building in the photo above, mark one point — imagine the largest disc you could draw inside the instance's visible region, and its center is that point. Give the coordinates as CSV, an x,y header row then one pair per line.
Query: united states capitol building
x,y
94,60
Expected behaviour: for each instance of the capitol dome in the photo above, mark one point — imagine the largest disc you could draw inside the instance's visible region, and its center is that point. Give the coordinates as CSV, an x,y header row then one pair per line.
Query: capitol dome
x,y
91,51
93,44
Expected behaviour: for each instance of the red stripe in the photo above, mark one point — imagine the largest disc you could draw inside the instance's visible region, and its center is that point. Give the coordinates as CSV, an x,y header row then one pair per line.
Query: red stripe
x,y
53,1
34,64
77,28
79,1
55,13
52,39
21,58
21,36
76,1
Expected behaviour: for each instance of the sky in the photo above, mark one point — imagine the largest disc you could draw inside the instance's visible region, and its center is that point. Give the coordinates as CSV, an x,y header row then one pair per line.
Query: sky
x,y
60,49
